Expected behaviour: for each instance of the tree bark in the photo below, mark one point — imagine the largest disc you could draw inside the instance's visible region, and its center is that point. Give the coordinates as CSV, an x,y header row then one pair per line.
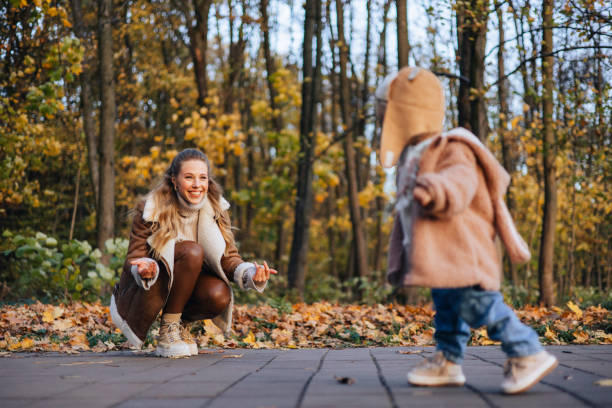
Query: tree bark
x,y
198,41
106,205
505,136
382,66
87,109
549,216
472,19
310,95
361,255
277,120
403,45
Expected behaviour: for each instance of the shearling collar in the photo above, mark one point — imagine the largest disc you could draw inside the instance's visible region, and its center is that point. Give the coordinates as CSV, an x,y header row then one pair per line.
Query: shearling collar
x,y
150,213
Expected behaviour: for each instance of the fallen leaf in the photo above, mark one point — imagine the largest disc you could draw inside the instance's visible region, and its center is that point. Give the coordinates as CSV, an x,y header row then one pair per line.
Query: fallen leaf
x,y
581,336
606,382
86,363
345,380
233,356
249,338
574,308
409,351
549,334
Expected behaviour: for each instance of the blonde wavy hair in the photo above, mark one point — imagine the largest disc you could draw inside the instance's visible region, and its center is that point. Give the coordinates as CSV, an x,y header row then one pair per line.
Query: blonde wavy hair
x,y
165,198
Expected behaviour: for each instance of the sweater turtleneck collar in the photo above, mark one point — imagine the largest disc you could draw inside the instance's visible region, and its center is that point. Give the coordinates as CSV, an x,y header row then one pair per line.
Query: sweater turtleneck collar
x,y
190,208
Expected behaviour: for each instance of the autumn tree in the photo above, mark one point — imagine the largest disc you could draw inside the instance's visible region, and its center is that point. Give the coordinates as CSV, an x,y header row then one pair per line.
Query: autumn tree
x,y
359,242
106,147
472,18
549,215
403,44
310,97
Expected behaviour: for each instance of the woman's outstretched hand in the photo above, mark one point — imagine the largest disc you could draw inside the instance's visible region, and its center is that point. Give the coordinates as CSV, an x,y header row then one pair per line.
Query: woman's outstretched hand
x,y
146,267
262,273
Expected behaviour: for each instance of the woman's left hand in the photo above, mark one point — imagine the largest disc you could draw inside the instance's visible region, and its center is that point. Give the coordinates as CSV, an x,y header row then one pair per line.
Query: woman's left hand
x,y
262,273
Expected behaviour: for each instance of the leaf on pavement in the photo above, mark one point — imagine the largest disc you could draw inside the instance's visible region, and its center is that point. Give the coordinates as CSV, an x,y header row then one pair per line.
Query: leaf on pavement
x,y
345,380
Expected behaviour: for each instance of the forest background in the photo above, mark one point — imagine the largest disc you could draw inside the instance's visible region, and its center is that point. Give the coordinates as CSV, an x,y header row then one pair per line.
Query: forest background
x,y
97,96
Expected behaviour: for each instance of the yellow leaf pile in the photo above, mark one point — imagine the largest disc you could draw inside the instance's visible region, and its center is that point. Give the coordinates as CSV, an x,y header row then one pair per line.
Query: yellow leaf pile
x,y
88,327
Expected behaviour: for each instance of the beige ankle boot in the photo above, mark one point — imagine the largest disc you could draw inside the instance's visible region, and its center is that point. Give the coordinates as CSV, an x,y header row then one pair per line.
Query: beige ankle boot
x,y
436,371
169,343
188,338
522,373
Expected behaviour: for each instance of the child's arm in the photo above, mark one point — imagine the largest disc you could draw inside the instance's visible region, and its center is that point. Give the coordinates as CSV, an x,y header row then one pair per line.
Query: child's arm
x,y
451,188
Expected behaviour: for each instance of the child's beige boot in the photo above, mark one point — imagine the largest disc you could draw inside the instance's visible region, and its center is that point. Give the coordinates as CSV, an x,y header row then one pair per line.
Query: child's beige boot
x,y
522,373
436,371
169,343
188,338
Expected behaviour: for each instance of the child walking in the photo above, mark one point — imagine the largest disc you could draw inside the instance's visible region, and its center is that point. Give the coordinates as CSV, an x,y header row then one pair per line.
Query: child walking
x,y
450,208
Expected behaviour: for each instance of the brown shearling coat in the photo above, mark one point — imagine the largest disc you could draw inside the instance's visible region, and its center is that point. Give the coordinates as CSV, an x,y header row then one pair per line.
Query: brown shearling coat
x,y
453,239
133,308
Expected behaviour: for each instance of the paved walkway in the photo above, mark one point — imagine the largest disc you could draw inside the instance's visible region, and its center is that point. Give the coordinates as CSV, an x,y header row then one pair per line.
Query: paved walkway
x,y
290,378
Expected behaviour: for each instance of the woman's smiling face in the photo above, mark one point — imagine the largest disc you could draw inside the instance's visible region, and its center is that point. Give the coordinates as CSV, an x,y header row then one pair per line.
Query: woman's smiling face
x,y
192,181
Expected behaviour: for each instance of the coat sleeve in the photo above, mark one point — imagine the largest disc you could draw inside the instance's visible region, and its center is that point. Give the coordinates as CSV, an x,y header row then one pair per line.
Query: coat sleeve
x,y
141,230
453,184
230,259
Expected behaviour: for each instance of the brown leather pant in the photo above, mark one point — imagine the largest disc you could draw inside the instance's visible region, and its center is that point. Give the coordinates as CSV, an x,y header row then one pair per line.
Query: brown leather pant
x,y
196,291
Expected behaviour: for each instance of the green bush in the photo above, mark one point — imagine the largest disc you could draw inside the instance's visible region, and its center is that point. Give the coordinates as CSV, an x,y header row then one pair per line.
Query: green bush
x,y
40,267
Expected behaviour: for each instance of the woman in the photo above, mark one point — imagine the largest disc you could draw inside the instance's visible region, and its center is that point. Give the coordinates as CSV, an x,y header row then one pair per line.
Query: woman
x,y
181,259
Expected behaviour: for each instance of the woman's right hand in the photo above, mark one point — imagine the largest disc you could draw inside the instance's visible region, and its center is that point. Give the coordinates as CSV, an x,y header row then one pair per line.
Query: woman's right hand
x,y
147,267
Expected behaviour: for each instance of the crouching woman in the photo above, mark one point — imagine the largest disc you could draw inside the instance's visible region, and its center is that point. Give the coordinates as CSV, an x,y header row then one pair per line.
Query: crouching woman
x,y
181,259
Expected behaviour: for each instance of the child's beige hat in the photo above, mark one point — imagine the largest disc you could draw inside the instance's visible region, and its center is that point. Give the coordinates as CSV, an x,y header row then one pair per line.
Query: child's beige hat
x,y
415,105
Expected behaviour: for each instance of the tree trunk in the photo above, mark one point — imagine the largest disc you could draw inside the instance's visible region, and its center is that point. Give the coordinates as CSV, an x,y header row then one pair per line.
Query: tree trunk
x,y
198,41
549,216
403,45
87,109
382,66
277,121
106,205
471,38
361,255
331,232
310,94
504,135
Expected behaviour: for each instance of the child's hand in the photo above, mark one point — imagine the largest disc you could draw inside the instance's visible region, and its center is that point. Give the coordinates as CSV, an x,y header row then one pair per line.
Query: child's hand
x,y
422,196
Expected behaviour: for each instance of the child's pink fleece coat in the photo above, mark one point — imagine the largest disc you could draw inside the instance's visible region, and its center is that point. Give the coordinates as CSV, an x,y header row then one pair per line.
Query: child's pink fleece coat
x,y
453,241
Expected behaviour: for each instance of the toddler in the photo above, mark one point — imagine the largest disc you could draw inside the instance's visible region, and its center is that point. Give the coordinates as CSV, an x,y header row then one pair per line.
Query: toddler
x,y
450,208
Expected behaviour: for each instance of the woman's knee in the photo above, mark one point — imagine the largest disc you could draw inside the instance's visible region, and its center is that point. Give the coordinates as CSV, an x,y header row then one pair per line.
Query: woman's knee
x,y
220,296
189,252
214,295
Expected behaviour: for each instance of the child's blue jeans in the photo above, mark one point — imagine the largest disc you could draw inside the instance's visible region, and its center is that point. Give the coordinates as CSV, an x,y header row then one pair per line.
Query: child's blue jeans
x,y
458,309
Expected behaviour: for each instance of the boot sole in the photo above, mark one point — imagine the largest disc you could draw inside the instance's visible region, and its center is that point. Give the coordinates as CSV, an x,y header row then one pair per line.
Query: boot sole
x,y
193,349
554,364
172,354
435,382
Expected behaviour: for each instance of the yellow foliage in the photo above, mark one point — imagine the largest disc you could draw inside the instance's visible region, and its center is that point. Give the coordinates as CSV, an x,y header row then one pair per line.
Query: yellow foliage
x,y
367,195
574,308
